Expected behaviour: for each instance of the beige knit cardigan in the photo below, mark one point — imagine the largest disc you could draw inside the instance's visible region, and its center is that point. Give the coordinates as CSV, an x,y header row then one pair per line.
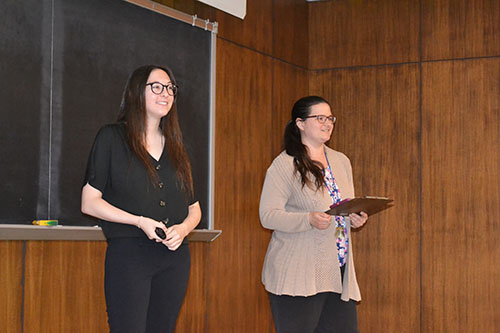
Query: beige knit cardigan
x,y
302,260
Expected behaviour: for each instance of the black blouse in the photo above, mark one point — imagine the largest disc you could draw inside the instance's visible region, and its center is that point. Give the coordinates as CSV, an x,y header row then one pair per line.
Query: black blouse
x,y
114,169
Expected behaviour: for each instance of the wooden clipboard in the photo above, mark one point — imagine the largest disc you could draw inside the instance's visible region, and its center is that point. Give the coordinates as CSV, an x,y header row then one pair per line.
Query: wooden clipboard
x,y
367,204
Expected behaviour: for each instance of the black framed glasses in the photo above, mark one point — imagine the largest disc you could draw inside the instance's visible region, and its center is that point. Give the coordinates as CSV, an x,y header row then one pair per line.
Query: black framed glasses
x,y
322,118
157,88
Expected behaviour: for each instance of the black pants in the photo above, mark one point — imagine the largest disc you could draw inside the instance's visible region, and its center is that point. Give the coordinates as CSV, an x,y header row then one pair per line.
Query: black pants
x,y
145,284
320,313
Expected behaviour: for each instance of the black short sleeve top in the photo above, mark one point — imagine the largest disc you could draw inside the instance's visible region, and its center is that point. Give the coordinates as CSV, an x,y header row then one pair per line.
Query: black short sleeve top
x,y
114,169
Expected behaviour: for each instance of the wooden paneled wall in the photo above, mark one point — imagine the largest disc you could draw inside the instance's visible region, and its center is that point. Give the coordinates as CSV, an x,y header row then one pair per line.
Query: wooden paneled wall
x,y
64,286
461,196
363,32
416,87
454,29
242,154
11,288
422,131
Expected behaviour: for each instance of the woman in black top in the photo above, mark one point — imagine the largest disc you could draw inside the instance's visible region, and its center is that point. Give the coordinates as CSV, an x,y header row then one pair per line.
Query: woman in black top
x,y
139,174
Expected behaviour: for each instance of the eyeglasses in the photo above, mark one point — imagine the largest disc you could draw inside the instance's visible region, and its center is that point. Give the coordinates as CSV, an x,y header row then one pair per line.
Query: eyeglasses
x,y
322,118
157,88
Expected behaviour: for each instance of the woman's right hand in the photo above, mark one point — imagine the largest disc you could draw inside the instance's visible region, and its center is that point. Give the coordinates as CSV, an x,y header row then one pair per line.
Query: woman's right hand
x,y
320,220
148,226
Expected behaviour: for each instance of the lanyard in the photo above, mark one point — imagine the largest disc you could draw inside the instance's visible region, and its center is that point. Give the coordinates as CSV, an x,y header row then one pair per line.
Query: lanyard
x,y
330,184
333,190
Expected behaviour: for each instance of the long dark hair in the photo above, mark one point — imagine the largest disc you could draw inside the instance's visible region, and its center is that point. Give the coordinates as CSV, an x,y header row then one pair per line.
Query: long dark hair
x,y
293,145
133,114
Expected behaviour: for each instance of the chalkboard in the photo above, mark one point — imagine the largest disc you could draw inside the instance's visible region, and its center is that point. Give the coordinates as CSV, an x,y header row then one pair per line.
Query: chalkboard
x,y
63,67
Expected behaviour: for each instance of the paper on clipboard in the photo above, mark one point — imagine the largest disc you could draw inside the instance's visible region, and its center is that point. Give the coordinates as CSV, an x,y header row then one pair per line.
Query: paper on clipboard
x,y
367,204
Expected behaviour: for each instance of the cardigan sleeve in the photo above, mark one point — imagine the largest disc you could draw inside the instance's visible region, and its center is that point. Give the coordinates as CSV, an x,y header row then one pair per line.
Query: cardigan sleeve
x,y
275,195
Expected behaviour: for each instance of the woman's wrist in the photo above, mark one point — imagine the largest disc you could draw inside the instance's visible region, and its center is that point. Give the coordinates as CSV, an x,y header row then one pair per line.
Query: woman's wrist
x,y
186,228
139,220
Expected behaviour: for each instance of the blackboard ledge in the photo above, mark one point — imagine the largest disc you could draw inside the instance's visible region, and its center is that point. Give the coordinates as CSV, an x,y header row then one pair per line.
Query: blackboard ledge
x,y
35,232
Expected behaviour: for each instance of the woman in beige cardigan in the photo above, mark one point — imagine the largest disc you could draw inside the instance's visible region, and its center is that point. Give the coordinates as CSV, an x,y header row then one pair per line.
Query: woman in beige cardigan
x,y
309,268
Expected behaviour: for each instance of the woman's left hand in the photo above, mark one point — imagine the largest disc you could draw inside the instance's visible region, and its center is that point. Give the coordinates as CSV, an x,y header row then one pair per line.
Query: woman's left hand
x,y
175,236
358,220
177,232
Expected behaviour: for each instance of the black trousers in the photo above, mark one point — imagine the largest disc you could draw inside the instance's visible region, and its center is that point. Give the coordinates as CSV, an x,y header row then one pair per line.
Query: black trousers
x,y
145,284
320,313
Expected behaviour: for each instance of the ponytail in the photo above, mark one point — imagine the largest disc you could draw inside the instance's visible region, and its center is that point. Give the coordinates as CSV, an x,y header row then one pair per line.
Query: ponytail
x,y
292,143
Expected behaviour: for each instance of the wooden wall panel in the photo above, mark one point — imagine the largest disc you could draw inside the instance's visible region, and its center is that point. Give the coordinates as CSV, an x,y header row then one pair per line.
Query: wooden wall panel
x,y
64,287
364,32
254,32
461,196
291,31
237,301
378,129
192,317
289,84
11,288
458,29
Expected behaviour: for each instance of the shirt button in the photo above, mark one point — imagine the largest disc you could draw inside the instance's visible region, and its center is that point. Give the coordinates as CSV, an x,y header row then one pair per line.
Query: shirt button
x,y
162,203
158,167
160,185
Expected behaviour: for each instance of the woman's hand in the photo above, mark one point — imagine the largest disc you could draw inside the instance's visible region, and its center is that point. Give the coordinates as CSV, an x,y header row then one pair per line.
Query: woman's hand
x,y
358,220
175,236
177,232
320,220
148,226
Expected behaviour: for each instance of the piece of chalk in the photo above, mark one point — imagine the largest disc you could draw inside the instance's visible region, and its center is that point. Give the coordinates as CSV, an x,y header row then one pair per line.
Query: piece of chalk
x,y
46,222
